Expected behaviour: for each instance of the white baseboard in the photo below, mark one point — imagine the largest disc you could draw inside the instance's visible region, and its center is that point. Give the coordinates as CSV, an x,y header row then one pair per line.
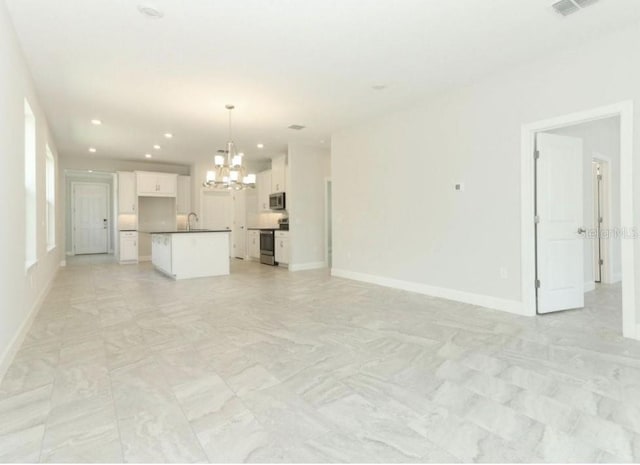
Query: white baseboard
x,y
307,266
589,286
617,277
511,306
145,258
10,352
70,254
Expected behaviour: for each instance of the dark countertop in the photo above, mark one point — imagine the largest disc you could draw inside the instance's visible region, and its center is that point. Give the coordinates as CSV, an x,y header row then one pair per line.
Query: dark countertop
x,y
262,229
183,231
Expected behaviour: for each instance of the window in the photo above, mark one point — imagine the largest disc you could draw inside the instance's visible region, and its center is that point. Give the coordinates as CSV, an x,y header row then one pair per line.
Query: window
x,y
30,185
51,199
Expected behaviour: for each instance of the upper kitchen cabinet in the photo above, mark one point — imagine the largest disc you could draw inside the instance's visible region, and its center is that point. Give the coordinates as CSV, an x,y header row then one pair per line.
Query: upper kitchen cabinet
x,y
127,197
183,200
263,184
156,184
278,174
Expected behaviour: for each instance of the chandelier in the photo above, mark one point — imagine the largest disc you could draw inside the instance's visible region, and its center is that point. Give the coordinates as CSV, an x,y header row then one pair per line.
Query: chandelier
x,y
229,172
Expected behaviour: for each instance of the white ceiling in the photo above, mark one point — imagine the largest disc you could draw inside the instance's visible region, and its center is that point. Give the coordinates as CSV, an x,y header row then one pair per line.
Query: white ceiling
x,y
310,62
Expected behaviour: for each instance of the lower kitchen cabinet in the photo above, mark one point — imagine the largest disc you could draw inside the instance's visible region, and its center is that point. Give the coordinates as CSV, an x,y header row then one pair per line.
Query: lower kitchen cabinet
x,y
253,244
282,247
128,246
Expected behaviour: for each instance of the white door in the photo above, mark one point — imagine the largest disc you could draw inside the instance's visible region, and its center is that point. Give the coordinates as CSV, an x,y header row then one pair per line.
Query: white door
x,y
216,210
239,241
91,218
560,230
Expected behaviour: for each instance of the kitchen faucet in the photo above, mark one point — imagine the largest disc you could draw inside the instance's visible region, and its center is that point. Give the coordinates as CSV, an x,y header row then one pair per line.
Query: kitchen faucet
x,y
189,220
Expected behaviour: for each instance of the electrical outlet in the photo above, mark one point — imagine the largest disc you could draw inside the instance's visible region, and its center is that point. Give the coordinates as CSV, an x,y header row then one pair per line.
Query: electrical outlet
x,y
459,187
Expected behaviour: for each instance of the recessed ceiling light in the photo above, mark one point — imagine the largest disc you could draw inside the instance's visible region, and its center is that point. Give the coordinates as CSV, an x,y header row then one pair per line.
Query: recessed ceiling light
x,y
147,155
260,146
379,87
168,135
150,11
297,127
90,171
157,147
96,122
92,150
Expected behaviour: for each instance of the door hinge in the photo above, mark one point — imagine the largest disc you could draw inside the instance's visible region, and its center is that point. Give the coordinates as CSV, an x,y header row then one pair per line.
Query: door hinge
x,y
536,154
599,177
601,261
537,284
536,219
601,220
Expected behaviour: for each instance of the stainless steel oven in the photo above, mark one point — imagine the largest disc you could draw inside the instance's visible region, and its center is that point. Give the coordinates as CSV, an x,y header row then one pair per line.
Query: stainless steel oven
x,y
267,247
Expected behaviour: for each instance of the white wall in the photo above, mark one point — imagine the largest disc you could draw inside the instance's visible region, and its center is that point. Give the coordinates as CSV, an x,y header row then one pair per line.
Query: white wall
x,y
599,138
396,213
20,291
308,168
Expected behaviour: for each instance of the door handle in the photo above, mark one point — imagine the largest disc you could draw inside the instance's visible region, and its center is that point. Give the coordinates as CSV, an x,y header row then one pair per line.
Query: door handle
x,y
581,230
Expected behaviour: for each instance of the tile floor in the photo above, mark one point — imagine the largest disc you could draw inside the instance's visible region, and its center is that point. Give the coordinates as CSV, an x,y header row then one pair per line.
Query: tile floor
x,y
123,364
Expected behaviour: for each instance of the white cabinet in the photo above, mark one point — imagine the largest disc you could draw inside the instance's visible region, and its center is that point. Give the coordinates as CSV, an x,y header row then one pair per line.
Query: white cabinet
x,y
128,246
183,200
253,244
263,184
161,252
278,174
156,184
282,247
127,197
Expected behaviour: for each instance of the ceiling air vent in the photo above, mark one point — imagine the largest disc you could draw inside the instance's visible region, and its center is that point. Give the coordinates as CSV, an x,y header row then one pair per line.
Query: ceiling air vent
x,y
567,7
296,127
584,3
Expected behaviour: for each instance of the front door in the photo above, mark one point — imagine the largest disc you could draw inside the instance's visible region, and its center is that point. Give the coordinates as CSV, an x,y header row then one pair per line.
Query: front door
x,y
560,232
91,218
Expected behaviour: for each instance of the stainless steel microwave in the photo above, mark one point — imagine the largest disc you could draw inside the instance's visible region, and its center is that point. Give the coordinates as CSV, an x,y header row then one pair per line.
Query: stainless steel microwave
x,y
277,202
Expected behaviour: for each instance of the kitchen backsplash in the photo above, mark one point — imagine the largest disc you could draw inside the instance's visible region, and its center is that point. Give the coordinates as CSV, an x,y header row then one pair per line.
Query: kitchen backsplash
x,y
264,220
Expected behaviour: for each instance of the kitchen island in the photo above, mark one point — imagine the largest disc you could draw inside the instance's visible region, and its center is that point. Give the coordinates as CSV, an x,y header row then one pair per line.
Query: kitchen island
x,y
186,254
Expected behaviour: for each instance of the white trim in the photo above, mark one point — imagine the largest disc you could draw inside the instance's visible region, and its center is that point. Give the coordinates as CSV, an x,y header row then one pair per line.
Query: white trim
x,y
617,277
589,286
511,306
625,111
146,258
327,232
12,349
307,266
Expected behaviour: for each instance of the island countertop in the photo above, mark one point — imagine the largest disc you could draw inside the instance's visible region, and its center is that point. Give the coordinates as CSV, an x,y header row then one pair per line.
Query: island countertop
x,y
182,231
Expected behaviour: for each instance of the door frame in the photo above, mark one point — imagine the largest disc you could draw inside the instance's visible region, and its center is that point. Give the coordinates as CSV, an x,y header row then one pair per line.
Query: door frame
x,y
327,217
73,212
606,209
527,231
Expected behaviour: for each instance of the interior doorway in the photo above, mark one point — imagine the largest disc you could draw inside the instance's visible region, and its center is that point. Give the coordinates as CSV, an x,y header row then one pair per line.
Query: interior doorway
x,y
90,218
568,225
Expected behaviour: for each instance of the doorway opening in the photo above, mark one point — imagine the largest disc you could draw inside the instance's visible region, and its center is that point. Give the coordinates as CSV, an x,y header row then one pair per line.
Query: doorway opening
x,y
577,216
